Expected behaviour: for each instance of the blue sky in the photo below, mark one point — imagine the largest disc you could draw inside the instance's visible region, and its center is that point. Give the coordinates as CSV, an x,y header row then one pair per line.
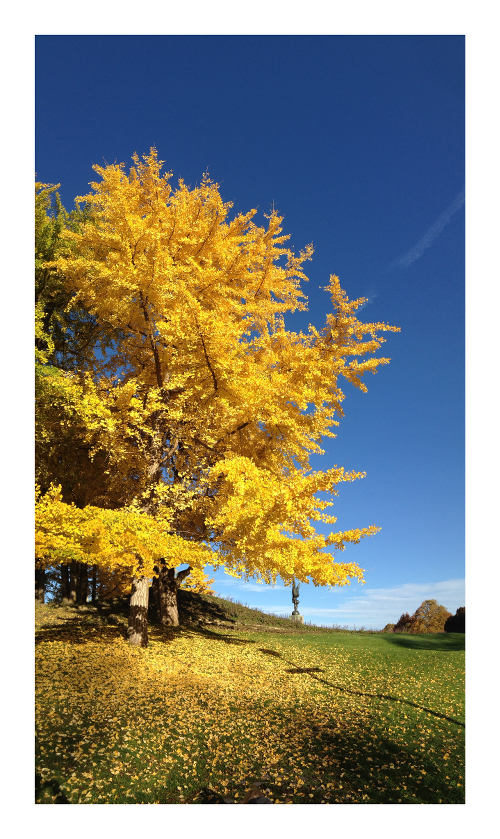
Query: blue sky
x,y
359,142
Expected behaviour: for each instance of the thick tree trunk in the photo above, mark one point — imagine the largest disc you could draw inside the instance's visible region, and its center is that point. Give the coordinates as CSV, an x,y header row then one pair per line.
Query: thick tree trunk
x,y
138,617
167,586
40,585
168,598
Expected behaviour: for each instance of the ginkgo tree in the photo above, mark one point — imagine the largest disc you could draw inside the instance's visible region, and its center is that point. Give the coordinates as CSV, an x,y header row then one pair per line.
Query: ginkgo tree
x,y
217,402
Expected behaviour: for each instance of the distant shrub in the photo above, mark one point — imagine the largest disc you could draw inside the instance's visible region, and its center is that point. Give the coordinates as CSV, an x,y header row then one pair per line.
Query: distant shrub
x,y
456,622
405,623
389,627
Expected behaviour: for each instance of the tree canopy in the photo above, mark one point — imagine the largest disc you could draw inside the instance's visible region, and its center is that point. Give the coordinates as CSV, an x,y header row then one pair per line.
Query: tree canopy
x,y
187,400
430,617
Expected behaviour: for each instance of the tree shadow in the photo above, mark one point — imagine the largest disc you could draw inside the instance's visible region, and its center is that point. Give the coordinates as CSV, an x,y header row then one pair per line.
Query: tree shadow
x,y
312,670
291,669
304,670
111,623
446,642
76,631
215,636
193,607
343,764
49,789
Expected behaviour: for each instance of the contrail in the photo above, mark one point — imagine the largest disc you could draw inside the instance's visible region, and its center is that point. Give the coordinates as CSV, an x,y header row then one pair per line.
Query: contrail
x,y
432,234
371,294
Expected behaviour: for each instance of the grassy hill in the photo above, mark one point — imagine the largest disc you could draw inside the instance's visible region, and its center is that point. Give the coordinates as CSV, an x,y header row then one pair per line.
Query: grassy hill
x,y
235,698
201,610
212,610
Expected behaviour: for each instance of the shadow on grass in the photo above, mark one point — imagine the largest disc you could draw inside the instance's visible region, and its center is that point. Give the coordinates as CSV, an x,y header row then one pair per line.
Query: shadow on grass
x,y
304,670
319,762
447,642
82,629
48,792
192,606
215,636
76,631
363,771
312,670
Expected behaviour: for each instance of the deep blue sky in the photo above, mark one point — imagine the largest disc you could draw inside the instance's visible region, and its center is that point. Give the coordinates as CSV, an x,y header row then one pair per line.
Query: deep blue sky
x,y
359,141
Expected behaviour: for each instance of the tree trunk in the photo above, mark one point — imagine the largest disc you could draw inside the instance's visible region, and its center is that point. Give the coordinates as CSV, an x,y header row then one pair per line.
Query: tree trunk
x,y
69,579
40,585
64,583
71,597
94,584
82,584
167,586
138,617
154,594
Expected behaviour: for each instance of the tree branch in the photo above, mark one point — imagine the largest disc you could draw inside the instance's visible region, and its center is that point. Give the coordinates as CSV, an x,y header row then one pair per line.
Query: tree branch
x,y
182,574
154,349
216,386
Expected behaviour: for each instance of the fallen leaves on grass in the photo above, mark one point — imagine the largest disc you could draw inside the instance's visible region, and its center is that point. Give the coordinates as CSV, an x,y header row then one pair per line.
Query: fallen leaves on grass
x,y
202,710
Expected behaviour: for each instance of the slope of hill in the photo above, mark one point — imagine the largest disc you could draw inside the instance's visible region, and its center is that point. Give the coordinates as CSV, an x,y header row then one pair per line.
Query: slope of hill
x,y
194,609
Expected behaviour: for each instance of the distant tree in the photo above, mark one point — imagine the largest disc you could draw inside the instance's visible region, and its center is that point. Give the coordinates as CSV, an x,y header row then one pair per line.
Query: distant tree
x,y
389,627
430,617
456,622
405,623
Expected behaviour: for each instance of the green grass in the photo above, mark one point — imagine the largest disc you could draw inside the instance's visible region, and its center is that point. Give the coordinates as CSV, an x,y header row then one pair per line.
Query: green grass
x,y
206,711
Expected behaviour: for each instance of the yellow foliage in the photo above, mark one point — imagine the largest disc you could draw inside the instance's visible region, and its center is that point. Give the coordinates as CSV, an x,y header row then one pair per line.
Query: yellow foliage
x,y
41,356
81,439
125,538
217,403
198,581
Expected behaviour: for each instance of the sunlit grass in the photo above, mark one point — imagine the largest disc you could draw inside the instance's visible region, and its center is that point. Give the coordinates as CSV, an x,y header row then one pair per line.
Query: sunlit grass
x,y
202,714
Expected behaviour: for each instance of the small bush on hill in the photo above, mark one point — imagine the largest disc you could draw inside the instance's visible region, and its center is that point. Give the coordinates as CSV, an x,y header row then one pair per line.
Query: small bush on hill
x,y
405,623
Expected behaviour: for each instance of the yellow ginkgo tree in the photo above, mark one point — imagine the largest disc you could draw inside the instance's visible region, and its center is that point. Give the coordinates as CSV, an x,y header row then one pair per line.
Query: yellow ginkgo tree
x,y
217,401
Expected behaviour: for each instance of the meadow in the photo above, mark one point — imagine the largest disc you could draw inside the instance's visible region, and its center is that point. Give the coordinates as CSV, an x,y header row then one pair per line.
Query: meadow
x,y
212,708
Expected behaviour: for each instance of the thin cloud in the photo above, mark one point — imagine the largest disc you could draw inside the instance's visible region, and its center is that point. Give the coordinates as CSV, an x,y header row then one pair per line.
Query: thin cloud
x,y
377,607
374,608
431,235
370,295
241,585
